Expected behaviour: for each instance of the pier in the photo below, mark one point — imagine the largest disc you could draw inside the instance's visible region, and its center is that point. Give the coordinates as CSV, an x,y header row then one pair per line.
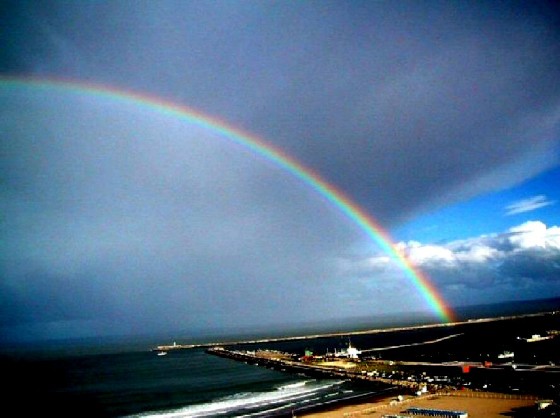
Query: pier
x,y
416,377
288,363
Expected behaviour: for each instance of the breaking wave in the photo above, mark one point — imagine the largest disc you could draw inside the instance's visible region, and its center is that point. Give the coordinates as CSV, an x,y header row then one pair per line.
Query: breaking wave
x,y
255,404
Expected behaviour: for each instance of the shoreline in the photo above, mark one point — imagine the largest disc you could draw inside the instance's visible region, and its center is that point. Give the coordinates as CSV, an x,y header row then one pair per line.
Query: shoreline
x,y
378,398
454,398
349,333
476,404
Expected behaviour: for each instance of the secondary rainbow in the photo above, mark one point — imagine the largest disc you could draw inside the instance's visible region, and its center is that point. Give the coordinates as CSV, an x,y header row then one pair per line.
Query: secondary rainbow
x,y
267,151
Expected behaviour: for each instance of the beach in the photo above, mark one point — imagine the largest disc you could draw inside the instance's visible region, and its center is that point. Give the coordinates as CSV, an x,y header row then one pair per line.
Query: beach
x,y
476,404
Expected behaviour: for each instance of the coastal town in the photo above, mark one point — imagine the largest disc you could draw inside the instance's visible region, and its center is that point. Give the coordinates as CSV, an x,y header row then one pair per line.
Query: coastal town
x,y
524,371
417,377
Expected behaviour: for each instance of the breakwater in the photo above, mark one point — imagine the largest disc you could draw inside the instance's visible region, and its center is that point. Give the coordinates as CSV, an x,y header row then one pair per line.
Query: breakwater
x,y
408,376
473,322
287,363
278,363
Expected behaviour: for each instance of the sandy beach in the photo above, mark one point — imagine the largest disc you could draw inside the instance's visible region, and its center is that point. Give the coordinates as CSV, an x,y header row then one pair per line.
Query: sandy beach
x,y
477,405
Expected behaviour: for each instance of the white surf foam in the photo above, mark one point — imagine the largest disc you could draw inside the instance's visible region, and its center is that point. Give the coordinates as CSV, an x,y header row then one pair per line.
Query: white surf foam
x,y
285,394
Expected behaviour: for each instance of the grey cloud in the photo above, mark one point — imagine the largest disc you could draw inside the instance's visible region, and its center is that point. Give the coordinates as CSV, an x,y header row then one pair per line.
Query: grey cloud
x,y
404,106
113,211
534,264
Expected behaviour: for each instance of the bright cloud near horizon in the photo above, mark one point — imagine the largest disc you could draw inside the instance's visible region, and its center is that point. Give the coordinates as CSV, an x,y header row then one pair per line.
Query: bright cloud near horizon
x,y
440,120
520,263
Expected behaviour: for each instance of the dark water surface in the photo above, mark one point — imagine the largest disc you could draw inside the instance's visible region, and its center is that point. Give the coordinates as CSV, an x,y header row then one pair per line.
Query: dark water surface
x,y
193,383
180,384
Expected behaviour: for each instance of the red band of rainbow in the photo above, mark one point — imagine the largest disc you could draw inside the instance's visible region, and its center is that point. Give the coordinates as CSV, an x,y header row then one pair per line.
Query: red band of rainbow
x,y
337,198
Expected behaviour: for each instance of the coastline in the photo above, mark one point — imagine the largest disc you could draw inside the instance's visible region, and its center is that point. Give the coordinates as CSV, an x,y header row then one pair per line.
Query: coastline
x,y
357,403
221,382
348,333
470,399
476,404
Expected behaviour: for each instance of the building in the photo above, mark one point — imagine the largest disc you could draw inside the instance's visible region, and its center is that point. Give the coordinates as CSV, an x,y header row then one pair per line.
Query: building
x,y
429,412
350,352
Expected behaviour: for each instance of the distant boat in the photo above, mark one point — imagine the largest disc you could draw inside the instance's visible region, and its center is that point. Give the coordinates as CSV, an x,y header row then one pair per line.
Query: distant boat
x,y
506,354
162,353
535,338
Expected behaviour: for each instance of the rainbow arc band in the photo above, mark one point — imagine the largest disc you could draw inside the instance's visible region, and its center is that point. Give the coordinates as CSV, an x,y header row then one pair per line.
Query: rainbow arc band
x,y
334,196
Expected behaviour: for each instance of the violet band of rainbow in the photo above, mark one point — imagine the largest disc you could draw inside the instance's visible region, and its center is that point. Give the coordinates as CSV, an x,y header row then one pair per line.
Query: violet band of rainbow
x,y
364,221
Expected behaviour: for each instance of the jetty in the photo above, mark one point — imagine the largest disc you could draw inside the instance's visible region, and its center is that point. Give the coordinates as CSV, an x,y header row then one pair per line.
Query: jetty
x,y
287,362
416,377
216,344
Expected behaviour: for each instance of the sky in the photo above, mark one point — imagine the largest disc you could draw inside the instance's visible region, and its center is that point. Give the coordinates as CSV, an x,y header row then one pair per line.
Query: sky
x,y
440,120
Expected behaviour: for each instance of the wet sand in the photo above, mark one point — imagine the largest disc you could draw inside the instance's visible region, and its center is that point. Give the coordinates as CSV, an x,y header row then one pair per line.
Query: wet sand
x,y
476,407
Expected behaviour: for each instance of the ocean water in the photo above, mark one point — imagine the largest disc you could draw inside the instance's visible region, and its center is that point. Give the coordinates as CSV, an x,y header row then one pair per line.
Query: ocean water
x,y
184,383
131,380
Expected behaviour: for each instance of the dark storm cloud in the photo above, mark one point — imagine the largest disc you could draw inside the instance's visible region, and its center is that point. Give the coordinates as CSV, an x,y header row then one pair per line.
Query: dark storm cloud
x,y
115,212
405,106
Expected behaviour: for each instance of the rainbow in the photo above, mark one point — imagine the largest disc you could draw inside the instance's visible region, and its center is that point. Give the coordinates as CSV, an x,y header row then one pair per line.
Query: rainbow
x,y
337,198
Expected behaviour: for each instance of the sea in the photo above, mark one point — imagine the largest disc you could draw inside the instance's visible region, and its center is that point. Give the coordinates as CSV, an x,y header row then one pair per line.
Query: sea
x,y
131,380
183,383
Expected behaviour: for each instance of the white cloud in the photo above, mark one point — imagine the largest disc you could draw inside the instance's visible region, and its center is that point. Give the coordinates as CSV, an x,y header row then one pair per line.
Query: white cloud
x,y
452,254
478,253
522,262
429,254
534,234
528,235
527,205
